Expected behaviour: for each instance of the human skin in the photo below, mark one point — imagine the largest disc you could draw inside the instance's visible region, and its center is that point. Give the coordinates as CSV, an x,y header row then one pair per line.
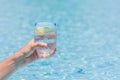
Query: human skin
x,y
24,56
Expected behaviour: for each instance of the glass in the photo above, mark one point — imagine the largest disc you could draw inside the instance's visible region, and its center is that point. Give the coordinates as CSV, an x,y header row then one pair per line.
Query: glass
x,y
45,32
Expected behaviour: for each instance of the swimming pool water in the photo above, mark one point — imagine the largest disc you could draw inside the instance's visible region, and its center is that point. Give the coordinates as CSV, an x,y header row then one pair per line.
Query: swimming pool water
x,y
88,38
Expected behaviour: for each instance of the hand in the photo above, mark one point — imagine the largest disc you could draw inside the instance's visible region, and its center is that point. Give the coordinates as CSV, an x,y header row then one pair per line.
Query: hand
x,y
28,53
24,56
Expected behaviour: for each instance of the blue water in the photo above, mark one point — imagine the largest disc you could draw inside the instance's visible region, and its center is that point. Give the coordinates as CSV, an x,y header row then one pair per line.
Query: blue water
x,y
88,41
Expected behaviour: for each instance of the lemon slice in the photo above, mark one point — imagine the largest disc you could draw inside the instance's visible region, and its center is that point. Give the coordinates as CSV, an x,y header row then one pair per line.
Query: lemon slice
x,y
47,30
39,31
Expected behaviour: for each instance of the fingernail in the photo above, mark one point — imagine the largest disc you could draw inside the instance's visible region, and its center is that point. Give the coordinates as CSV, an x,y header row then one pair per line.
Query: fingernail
x,y
45,44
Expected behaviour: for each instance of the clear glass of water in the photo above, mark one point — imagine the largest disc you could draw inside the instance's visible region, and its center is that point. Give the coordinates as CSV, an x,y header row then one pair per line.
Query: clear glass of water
x,y
45,32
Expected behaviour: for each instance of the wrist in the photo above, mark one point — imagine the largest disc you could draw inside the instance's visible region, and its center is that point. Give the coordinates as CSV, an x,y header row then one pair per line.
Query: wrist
x,y
10,62
17,59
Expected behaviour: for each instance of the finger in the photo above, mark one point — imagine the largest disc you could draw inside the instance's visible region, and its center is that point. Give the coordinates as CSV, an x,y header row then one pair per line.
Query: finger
x,y
41,44
38,44
47,55
30,47
33,44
